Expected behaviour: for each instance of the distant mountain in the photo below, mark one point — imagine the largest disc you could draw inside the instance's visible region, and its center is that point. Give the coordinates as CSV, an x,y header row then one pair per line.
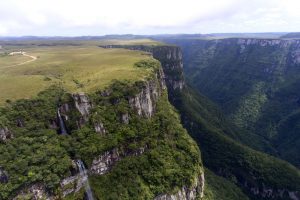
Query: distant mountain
x,y
291,35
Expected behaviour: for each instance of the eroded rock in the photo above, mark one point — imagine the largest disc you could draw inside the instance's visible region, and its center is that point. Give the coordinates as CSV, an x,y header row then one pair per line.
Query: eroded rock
x,y
145,101
3,176
125,118
99,128
5,134
103,163
185,193
34,192
83,104
73,184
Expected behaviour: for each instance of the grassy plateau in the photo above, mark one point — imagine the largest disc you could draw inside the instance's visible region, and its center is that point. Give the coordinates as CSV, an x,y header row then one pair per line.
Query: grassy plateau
x,y
78,66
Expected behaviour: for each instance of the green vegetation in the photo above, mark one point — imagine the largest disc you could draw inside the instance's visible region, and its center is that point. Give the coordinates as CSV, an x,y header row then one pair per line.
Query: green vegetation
x,y
77,68
171,161
217,187
250,107
37,154
223,155
256,86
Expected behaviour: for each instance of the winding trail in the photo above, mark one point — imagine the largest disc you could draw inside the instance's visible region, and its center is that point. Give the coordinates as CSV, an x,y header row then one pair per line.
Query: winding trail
x,y
33,58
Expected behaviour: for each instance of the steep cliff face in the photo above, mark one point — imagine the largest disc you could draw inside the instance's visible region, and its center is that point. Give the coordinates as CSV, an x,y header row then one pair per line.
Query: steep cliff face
x,y
128,138
193,192
171,61
256,83
82,104
250,170
103,163
170,58
143,103
34,192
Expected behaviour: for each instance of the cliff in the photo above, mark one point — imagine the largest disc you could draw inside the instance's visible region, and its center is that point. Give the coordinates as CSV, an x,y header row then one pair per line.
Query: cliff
x,y
144,104
224,68
256,84
170,58
204,122
127,135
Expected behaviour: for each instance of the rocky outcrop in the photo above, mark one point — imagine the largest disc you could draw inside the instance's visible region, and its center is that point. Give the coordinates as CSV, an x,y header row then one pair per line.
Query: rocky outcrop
x,y
73,184
99,128
144,102
125,118
3,176
271,193
291,46
171,77
5,134
170,58
100,165
185,193
82,104
34,192
103,163
20,123
266,42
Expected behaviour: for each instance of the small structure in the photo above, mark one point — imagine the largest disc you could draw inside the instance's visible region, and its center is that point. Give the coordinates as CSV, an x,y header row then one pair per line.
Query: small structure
x,y
21,52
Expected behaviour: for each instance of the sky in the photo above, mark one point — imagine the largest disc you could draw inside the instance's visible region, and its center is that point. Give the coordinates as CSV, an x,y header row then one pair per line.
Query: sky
x,y
101,17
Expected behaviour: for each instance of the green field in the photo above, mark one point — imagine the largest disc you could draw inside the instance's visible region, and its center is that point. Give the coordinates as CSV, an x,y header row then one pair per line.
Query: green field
x,y
79,68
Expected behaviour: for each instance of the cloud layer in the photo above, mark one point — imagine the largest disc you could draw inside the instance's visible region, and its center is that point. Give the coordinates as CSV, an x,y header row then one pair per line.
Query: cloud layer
x,y
98,17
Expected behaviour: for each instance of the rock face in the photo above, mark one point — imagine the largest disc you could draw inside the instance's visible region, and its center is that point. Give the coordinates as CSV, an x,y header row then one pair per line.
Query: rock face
x,y
125,118
5,134
34,192
271,193
192,193
144,102
171,77
103,163
82,104
3,176
73,184
99,128
171,61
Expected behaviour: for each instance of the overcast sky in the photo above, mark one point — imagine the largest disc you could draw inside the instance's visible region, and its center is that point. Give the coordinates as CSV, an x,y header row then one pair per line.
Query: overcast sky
x,y
99,17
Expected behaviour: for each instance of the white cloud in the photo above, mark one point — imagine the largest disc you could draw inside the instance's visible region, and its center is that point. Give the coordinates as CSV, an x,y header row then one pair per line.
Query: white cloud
x,y
95,17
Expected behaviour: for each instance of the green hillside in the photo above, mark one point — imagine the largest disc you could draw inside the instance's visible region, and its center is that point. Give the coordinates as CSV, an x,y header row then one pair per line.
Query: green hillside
x,y
152,153
241,165
256,83
218,187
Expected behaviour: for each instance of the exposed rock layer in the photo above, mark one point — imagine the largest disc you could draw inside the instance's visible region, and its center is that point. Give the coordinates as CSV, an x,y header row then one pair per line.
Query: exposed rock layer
x,y
185,193
5,134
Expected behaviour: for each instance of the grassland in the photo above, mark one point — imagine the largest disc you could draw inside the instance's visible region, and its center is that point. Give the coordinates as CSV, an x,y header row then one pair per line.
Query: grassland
x,y
78,67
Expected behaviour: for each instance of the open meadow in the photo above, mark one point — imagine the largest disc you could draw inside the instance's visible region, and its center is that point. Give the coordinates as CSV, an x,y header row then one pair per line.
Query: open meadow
x,y
79,66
